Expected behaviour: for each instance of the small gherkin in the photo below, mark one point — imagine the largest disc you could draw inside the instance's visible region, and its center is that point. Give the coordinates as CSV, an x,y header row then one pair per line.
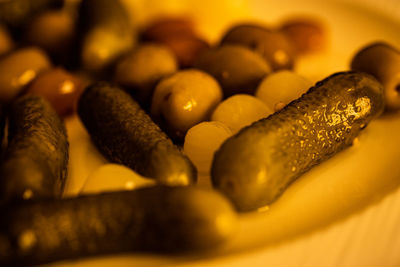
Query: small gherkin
x,y
36,158
255,166
159,218
126,134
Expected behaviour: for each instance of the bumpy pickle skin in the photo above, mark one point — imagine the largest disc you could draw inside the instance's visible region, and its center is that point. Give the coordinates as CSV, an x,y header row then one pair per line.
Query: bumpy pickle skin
x,y
125,134
254,167
165,219
35,161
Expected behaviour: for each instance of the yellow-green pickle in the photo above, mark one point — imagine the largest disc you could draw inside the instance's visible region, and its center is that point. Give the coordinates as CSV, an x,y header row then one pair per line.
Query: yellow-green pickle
x,y
256,165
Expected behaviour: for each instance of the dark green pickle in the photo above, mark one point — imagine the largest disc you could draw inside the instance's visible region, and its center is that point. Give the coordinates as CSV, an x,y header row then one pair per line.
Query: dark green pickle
x,y
55,32
125,134
36,158
164,219
255,166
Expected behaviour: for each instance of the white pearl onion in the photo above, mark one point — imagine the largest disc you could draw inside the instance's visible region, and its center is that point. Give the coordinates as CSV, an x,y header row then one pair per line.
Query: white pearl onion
x,y
114,177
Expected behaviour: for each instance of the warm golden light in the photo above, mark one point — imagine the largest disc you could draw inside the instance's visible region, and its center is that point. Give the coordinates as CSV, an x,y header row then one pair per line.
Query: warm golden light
x,y
281,57
28,193
262,176
24,78
67,87
27,239
263,209
190,105
129,185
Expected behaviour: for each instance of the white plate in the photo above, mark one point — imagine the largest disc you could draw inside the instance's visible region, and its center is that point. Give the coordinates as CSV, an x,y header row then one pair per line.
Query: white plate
x,y
344,212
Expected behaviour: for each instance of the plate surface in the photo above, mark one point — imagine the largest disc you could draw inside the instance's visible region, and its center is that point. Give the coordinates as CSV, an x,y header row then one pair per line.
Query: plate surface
x,y
344,212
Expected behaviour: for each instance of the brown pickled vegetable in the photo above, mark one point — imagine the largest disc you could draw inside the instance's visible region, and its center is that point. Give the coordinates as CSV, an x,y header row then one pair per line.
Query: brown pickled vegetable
x,y
59,87
274,46
307,35
163,28
186,48
178,34
383,61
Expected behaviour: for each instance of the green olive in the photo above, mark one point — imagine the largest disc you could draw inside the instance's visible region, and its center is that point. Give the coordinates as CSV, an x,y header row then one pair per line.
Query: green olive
x,y
273,45
54,31
183,100
237,68
383,61
17,13
18,69
141,70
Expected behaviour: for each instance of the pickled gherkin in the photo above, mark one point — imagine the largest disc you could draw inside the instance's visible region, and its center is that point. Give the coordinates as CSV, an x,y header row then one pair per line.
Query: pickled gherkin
x,y
125,134
167,219
36,158
255,166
